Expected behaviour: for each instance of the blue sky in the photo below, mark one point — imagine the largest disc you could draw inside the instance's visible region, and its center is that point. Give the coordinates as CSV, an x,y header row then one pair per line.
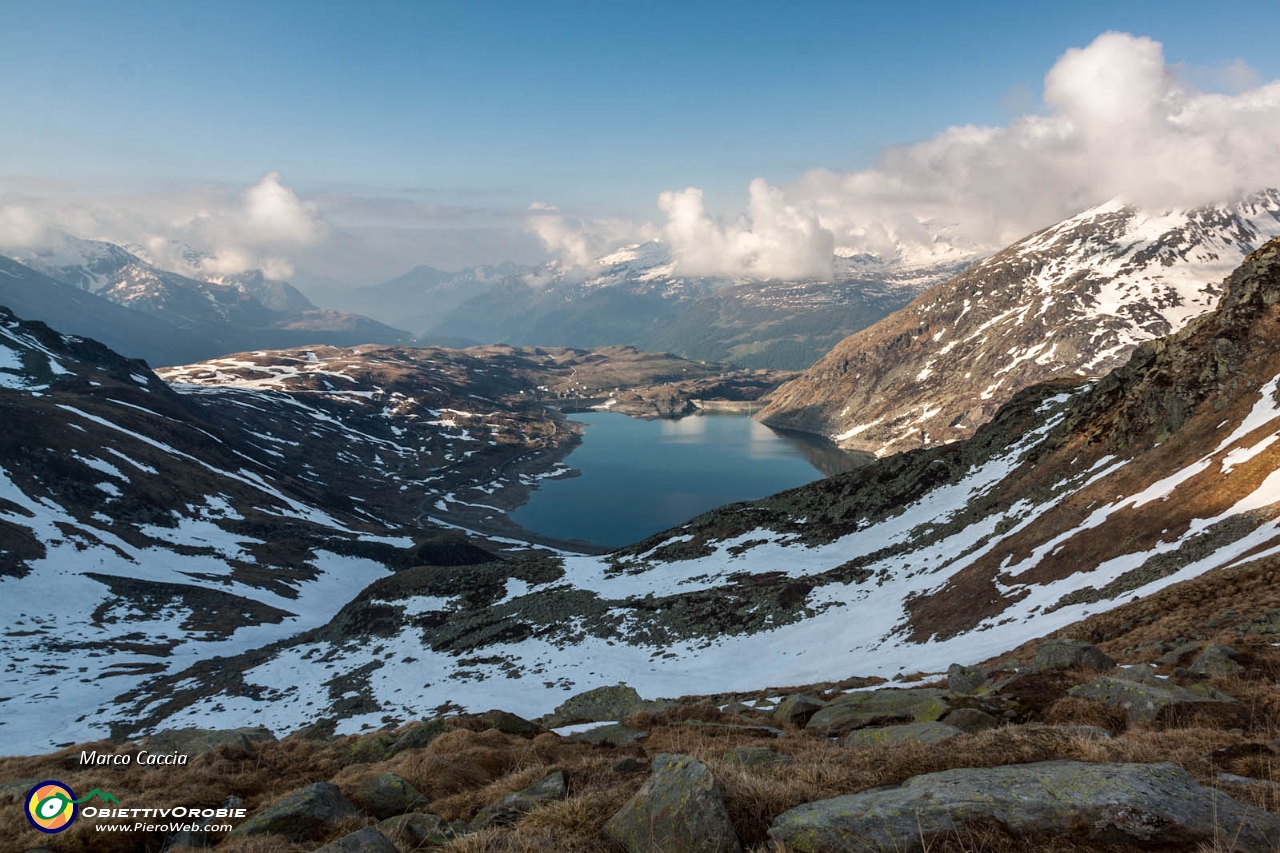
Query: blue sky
x,y
594,107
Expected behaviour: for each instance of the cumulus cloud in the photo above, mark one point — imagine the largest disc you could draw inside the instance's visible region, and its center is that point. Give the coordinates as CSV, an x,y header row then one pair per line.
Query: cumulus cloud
x,y
775,239
1116,120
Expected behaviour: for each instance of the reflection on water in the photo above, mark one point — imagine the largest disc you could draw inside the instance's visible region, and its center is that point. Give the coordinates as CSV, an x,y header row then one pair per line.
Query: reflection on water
x,y
641,477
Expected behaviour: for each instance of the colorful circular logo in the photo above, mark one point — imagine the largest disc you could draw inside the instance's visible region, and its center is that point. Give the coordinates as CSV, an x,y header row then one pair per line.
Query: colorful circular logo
x,y
51,806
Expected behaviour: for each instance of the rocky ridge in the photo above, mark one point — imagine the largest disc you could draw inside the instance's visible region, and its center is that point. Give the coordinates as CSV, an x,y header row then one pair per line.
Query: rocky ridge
x,y
1072,301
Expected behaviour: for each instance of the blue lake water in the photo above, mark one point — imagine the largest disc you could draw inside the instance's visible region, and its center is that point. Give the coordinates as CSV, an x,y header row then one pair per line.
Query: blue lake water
x,y
641,477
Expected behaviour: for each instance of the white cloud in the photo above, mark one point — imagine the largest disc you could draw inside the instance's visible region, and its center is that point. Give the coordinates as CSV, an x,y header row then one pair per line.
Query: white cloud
x,y
578,242
1117,120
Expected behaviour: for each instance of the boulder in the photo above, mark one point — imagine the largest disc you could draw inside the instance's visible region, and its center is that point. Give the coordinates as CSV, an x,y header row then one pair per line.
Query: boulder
x,y
679,809
1070,654
367,840
796,710
1153,703
971,720
614,734
387,795
1153,805
966,679
1176,655
511,806
192,742
878,707
931,732
415,829
613,703
15,791
1216,659
756,756
301,815
510,724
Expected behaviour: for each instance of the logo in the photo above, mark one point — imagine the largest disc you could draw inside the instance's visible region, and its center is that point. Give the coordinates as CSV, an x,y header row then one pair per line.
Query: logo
x,y
51,805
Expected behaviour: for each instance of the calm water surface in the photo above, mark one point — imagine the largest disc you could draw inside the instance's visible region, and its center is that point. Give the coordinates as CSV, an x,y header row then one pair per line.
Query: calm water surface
x,y
641,477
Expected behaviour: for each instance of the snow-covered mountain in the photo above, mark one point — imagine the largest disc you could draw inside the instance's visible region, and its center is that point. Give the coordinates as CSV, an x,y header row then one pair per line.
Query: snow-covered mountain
x,y
223,313
1073,300
1077,496
636,295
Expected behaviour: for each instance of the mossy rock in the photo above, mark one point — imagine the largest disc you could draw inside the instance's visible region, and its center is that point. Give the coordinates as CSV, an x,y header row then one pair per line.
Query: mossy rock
x,y
370,749
192,742
387,795
511,806
614,734
1215,660
1153,703
301,815
416,829
679,808
966,679
879,707
510,724
419,735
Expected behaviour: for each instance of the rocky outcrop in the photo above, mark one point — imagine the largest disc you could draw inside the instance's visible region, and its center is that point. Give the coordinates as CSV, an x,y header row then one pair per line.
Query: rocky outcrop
x,y
611,703
679,809
1148,804
797,709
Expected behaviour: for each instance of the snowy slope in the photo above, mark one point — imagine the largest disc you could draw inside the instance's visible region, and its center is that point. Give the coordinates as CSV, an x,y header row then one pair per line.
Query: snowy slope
x,y
1071,300
1075,497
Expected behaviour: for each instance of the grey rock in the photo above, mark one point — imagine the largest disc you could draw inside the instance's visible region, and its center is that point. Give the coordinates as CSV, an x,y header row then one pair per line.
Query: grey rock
x,y
879,707
192,742
971,720
756,756
1216,659
387,795
679,809
737,708
194,838
301,815
614,734
511,806
797,709
510,724
367,840
1149,703
613,703
419,735
1147,804
931,732
628,765
1069,654
966,679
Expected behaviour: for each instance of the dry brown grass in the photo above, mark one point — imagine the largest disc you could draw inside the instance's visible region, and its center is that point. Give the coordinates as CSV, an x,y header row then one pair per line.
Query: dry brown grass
x,y
463,771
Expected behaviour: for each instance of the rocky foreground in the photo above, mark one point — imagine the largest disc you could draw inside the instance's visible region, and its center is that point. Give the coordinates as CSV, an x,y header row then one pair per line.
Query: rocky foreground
x,y
1066,749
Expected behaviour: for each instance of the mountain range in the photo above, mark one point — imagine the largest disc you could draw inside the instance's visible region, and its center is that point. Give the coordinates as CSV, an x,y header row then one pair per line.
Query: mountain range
x,y
202,539
194,318
1071,301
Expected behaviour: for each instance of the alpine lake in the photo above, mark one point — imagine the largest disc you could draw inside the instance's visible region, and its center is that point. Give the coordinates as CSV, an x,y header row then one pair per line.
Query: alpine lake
x,y
639,477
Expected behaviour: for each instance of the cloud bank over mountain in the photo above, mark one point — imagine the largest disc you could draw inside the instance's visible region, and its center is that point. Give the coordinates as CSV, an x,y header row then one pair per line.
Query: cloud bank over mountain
x,y
1116,120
